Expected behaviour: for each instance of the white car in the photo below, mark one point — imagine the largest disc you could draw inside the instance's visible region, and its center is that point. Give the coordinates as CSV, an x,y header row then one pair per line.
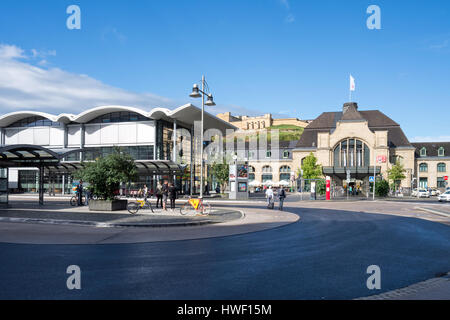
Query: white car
x,y
444,197
422,193
434,192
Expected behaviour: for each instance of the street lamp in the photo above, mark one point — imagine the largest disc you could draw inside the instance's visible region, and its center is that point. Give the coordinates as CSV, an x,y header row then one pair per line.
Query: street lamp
x,y
197,93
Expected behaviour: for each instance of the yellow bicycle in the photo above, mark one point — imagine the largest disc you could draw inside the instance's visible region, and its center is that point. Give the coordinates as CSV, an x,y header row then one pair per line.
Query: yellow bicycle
x,y
134,207
195,206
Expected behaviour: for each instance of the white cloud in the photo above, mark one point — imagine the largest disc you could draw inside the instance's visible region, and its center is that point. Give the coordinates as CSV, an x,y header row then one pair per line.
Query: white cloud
x,y
285,3
431,139
26,86
290,18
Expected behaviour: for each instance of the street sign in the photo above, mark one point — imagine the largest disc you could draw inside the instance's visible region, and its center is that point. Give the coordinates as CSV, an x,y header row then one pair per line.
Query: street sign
x,y
446,178
371,179
381,159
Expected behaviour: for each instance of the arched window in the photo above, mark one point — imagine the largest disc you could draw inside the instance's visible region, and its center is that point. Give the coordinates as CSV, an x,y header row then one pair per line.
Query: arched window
x,y
267,173
441,167
251,173
123,116
285,173
423,152
286,154
441,152
34,122
351,153
423,167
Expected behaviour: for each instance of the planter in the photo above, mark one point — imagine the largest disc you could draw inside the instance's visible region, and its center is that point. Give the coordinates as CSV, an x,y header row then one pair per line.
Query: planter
x,y
107,205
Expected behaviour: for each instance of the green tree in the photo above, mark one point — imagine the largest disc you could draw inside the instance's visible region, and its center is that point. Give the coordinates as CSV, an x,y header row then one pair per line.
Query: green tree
x,y
221,172
311,169
105,174
382,188
321,186
396,174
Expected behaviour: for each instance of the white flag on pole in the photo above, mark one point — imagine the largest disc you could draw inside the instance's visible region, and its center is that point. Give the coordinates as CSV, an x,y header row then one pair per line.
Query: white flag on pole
x,y
352,83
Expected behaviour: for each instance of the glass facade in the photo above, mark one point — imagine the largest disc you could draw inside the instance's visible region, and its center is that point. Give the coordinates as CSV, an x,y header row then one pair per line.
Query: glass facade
x,y
351,153
164,140
123,116
34,122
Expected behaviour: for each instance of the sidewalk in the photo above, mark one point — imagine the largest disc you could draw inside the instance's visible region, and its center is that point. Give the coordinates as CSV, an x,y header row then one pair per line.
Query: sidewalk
x,y
433,289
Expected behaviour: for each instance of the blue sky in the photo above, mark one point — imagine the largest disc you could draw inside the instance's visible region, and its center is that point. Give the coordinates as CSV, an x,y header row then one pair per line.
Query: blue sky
x,y
287,57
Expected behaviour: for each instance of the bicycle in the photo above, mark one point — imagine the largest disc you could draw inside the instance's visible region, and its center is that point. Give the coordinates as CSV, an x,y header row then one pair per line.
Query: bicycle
x,y
134,207
195,206
74,200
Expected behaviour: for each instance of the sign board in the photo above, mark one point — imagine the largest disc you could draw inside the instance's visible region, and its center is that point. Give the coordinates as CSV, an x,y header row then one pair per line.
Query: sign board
x,y
381,159
371,179
348,176
446,178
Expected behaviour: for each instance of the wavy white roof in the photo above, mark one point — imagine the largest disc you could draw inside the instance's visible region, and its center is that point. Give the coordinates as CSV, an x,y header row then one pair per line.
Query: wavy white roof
x,y
186,114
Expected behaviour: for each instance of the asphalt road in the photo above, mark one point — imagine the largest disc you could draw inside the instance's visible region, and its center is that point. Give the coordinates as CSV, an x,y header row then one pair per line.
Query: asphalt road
x,y
322,256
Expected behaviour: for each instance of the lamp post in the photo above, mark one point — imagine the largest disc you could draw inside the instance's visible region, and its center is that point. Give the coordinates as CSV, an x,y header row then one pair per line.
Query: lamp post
x,y
197,93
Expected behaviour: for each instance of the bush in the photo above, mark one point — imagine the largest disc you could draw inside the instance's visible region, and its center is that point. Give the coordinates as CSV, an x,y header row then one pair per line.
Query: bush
x,y
104,175
321,187
382,188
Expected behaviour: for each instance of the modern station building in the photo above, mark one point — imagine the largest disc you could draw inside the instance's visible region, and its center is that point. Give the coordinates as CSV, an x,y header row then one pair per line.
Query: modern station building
x,y
160,140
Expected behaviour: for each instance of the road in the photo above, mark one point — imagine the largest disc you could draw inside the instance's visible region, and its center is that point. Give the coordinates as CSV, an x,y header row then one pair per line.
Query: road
x,y
324,255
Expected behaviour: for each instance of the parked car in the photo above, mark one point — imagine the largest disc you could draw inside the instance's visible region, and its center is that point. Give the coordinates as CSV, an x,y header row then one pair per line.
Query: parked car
x,y
422,193
434,192
444,197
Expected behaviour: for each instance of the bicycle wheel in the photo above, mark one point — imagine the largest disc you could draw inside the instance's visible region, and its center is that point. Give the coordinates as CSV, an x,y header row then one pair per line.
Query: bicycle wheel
x,y
186,209
133,207
205,209
73,201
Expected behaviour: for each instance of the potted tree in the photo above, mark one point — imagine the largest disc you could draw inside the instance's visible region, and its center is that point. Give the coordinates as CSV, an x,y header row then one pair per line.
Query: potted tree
x,y
104,176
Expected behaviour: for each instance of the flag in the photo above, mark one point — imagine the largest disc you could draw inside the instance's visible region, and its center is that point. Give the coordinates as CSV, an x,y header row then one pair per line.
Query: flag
x,y
352,83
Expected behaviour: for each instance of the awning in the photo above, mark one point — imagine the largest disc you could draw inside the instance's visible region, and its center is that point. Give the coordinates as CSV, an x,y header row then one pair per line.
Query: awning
x,y
355,172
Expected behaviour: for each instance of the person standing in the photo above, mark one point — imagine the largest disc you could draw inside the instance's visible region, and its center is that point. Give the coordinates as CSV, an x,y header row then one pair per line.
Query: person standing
x,y
80,192
145,192
159,195
281,197
165,194
172,196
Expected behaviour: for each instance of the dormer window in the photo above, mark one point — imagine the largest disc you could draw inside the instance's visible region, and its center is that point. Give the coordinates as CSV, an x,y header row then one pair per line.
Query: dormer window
x,y
423,152
441,152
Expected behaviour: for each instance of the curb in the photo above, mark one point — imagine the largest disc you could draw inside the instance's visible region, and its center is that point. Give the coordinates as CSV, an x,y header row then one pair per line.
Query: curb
x,y
412,289
108,225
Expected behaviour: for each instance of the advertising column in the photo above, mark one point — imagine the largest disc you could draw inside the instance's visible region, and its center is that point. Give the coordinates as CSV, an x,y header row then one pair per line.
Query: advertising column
x,y
328,188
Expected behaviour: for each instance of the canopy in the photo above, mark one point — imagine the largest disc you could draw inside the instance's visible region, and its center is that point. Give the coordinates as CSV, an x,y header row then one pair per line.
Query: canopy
x,y
255,183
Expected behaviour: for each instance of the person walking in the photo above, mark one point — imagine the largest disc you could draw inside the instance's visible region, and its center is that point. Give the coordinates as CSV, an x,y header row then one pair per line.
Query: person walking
x,y
165,194
269,196
159,195
281,197
145,191
172,196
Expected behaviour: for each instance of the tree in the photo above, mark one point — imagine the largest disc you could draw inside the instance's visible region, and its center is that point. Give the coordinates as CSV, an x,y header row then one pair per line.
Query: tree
x,y
105,174
221,171
311,170
396,173
382,188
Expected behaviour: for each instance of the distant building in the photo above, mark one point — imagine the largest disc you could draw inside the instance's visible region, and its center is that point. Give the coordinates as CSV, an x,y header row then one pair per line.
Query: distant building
x,y
260,122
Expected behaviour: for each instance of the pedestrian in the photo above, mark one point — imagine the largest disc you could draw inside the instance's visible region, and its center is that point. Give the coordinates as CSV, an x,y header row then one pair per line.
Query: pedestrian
x,y
172,195
159,195
80,192
88,195
145,192
281,197
165,194
269,196
217,189
207,189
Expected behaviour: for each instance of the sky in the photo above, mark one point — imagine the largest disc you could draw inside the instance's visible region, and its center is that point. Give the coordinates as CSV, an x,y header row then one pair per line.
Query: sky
x,y
291,58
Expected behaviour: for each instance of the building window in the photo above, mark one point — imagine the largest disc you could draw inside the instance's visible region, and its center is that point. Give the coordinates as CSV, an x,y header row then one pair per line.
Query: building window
x,y
285,173
268,154
441,152
423,152
351,153
423,183
441,182
123,116
34,122
423,167
251,173
266,173
441,167
251,154
286,154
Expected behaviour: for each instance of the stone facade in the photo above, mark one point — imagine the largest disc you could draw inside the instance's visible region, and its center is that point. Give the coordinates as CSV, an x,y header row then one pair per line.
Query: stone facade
x,y
259,123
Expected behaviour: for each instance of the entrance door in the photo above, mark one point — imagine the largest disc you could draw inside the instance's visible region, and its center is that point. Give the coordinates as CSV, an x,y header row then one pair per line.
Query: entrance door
x,y
423,183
